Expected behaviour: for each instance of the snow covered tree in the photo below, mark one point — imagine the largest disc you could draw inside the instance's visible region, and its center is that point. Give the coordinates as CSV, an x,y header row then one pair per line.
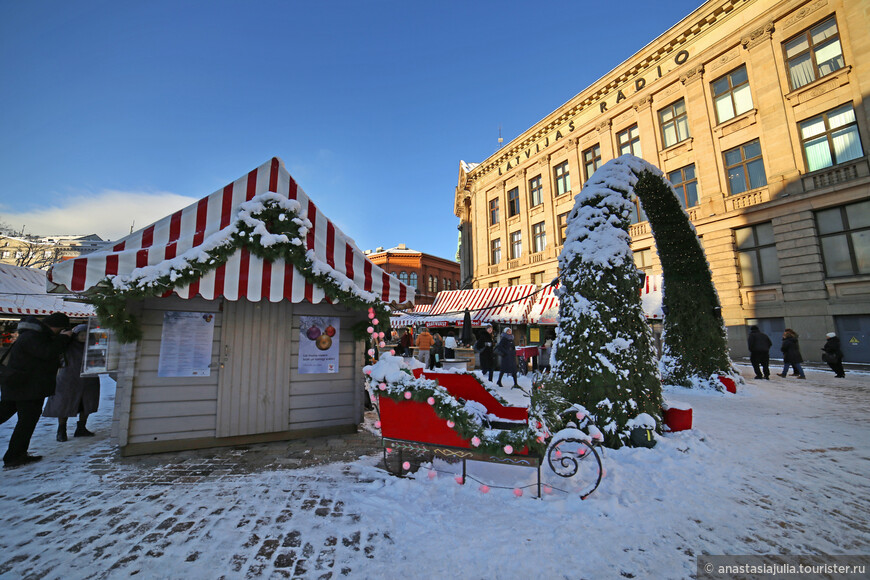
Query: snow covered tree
x,y
695,350
604,351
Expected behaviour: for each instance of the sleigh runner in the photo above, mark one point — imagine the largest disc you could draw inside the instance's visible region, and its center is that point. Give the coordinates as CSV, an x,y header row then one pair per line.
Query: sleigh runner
x,y
412,421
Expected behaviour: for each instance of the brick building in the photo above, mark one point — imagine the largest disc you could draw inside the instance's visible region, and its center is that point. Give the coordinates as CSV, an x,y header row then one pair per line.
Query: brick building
x,y
427,273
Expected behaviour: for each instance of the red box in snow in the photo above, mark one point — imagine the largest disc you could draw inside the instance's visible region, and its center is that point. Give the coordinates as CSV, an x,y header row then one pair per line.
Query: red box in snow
x,y
678,419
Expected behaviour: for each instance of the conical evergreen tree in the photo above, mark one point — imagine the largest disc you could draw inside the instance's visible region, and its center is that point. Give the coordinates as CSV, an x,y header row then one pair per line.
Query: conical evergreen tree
x,y
603,348
695,345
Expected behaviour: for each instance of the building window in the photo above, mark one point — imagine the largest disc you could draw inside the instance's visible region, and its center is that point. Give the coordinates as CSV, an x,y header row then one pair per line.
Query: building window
x,y
756,255
591,160
563,179
493,284
433,284
538,278
516,245
562,226
403,278
637,214
493,211
685,183
643,260
514,202
814,53
447,283
495,251
674,122
831,138
731,96
536,191
413,280
514,281
745,168
845,236
629,141
539,238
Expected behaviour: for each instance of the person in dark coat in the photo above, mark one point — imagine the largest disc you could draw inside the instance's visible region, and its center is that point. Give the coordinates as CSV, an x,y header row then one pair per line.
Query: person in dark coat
x,y
75,394
791,354
834,355
759,352
484,346
406,342
436,352
508,352
36,354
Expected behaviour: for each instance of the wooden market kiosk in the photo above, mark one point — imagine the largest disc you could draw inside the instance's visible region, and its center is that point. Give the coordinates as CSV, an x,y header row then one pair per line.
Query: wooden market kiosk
x,y
243,348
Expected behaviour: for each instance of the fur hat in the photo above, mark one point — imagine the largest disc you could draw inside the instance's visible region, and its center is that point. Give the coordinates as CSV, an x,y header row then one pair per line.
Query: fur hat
x,y
56,320
831,334
79,328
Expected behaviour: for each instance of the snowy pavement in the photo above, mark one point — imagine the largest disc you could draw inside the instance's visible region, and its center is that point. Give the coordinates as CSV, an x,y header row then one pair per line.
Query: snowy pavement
x,y
781,467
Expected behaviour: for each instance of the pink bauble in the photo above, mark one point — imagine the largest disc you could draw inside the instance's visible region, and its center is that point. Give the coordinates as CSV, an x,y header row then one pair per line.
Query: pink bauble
x,y
377,424
406,466
581,452
368,371
518,492
539,439
382,344
370,330
450,424
431,400
389,450
380,335
371,314
558,453
508,449
371,352
432,475
383,386
597,436
458,479
548,490
580,416
407,394
392,352
475,441
484,488
375,321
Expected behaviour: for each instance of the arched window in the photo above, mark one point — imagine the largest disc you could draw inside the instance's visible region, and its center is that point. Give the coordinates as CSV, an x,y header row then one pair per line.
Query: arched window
x,y
403,277
413,281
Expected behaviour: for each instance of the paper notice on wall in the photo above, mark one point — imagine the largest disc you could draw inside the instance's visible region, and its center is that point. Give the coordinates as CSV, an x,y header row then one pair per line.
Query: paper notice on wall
x,y
185,345
318,344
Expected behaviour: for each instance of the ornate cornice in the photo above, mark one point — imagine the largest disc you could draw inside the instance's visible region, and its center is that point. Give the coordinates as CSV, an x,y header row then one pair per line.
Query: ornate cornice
x,y
757,36
693,74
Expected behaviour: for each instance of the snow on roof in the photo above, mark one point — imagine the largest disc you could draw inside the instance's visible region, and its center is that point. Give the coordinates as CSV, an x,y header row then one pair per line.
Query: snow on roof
x,y
467,166
22,292
169,244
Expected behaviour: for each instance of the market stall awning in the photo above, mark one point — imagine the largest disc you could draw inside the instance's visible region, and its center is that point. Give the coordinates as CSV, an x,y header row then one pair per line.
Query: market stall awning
x,y
502,305
546,308
22,293
185,234
412,317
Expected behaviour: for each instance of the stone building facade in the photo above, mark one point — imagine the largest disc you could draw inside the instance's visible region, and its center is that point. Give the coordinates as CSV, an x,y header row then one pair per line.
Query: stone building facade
x,y
427,273
756,111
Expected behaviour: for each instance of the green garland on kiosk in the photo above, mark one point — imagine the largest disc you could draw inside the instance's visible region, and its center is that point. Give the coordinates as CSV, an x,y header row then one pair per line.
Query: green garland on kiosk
x,y
271,230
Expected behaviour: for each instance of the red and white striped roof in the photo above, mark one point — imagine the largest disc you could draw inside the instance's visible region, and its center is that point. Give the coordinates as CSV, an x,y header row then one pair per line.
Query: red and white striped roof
x,y
243,275
546,309
410,317
503,305
22,293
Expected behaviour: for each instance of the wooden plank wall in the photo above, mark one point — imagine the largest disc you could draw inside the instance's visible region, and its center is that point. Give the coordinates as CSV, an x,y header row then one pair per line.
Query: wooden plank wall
x,y
164,408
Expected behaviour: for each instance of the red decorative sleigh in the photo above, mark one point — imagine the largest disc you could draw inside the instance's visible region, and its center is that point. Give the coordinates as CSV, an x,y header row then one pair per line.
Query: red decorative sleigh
x,y
413,426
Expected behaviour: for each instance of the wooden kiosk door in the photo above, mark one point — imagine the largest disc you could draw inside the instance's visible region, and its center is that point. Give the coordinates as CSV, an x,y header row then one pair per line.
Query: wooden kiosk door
x,y
254,378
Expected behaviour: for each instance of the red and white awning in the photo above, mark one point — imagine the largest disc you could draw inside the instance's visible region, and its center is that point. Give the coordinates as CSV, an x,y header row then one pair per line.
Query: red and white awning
x,y
546,308
22,293
243,275
411,317
503,305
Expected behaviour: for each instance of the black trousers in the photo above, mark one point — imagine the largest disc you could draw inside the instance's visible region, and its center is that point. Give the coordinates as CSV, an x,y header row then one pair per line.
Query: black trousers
x,y
836,366
28,416
760,360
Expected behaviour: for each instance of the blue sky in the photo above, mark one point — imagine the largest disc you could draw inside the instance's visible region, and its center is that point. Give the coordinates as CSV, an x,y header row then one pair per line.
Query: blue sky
x,y
119,112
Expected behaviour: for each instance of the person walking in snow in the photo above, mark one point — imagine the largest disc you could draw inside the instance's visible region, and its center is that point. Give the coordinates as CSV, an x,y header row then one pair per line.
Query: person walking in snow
x,y
834,355
436,353
75,394
791,354
484,347
36,355
406,342
508,351
759,352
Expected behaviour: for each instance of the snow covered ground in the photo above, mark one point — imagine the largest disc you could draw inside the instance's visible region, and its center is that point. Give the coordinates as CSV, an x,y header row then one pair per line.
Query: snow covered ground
x,y
782,467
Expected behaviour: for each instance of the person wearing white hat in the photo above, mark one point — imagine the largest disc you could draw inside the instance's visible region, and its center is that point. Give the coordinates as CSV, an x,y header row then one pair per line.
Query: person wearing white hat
x,y
833,355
